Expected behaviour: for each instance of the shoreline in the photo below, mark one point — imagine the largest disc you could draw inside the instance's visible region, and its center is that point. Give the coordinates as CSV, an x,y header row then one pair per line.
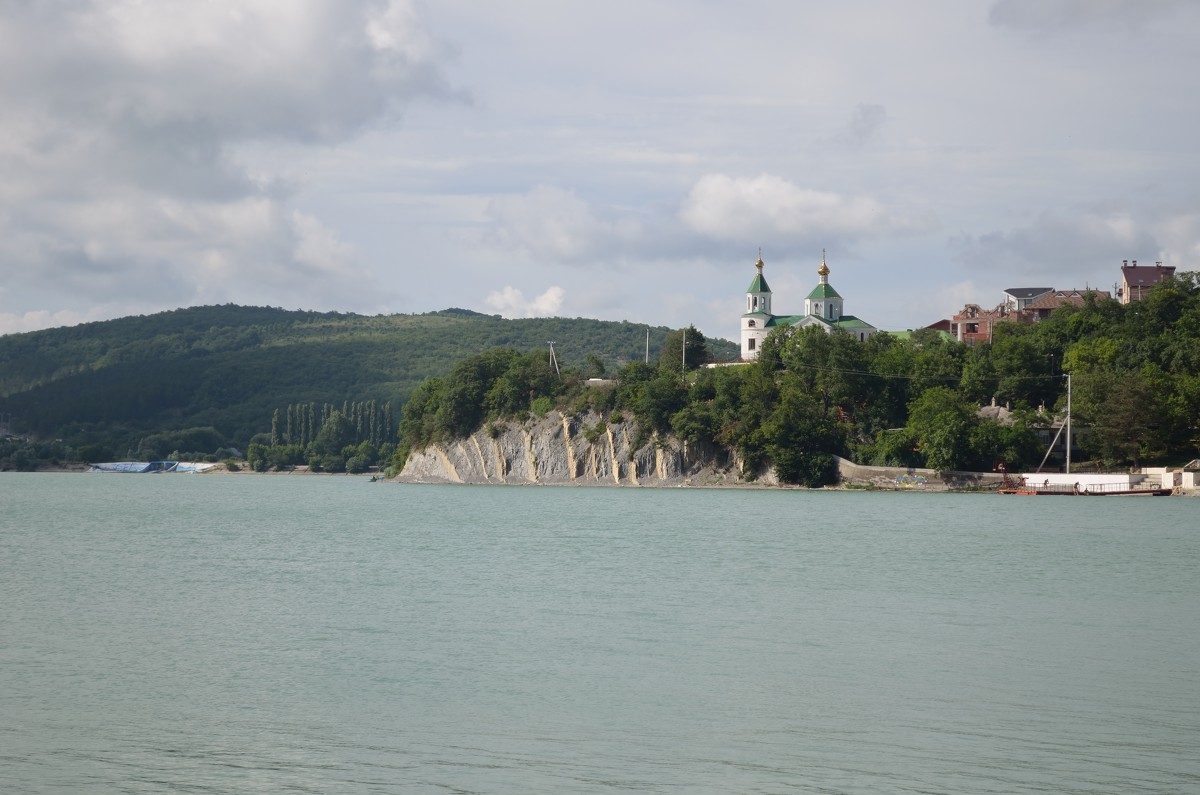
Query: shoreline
x,y
679,483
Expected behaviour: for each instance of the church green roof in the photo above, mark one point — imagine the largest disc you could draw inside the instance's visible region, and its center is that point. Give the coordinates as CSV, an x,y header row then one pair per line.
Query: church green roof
x,y
759,285
823,291
850,322
844,323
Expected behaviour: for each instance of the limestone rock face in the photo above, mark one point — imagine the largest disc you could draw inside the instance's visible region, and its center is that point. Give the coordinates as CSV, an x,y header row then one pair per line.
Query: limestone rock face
x,y
560,449
588,451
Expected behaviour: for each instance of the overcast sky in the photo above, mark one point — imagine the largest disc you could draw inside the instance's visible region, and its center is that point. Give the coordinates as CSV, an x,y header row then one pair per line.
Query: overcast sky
x,y
618,160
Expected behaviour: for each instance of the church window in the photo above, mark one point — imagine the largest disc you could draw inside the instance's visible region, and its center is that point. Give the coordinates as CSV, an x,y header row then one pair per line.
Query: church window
x,y
750,347
750,324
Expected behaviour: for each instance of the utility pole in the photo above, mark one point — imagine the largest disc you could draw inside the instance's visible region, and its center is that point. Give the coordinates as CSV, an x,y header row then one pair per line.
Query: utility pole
x,y
1068,423
647,345
553,360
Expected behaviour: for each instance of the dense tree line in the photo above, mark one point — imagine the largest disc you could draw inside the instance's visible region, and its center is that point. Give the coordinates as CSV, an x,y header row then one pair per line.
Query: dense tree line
x,y
353,438
893,400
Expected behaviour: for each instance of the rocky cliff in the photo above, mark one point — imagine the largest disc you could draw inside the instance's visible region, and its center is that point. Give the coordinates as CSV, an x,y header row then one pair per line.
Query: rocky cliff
x,y
584,450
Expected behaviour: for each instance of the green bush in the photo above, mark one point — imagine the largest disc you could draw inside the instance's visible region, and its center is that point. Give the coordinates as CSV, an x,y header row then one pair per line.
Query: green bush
x,y
595,432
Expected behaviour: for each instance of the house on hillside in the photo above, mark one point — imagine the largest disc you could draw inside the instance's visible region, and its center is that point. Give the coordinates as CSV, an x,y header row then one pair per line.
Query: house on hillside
x,y
974,323
942,326
1137,280
823,308
1044,306
1020,305
1018,298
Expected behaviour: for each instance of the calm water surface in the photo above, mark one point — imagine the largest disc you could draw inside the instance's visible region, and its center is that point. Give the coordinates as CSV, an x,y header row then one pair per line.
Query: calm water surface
x,y
231,634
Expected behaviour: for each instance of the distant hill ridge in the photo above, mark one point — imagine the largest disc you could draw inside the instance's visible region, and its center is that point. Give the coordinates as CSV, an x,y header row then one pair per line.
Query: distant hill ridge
x,y
231,366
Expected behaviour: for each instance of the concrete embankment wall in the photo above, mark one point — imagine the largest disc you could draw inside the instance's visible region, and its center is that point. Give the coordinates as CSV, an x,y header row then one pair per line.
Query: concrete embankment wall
x,y
852,474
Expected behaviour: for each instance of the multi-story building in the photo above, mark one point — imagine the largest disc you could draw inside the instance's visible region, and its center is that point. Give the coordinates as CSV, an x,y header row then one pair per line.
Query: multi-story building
x,y
1137,280
1020,305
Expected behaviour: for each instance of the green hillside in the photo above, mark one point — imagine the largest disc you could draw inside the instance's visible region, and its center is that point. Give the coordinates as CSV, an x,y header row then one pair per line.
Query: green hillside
x,y
230,367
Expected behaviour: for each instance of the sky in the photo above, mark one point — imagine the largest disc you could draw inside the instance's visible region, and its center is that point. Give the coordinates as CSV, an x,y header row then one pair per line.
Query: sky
x,y
619,160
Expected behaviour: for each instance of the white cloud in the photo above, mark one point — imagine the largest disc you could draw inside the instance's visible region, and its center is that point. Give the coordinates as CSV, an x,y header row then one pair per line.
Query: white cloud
x,y
319,247
399,31
119,141
553,225
547,222
771,208
140,247
511,302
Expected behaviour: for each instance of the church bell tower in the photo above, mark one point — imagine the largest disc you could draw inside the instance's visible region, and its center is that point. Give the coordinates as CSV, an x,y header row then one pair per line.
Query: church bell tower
x,y
824,301
758,314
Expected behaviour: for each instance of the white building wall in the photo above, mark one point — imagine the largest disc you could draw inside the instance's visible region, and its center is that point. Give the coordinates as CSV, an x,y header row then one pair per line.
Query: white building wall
x,y
754,331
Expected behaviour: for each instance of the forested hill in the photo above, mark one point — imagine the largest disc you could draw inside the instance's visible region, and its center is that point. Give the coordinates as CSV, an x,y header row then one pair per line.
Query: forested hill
x,y
229,367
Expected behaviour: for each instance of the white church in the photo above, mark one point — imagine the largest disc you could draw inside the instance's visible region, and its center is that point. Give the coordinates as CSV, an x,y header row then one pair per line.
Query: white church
x,y
822,308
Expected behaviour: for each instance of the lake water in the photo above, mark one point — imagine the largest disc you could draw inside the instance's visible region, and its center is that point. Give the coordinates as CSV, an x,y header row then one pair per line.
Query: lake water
x,y
234,634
